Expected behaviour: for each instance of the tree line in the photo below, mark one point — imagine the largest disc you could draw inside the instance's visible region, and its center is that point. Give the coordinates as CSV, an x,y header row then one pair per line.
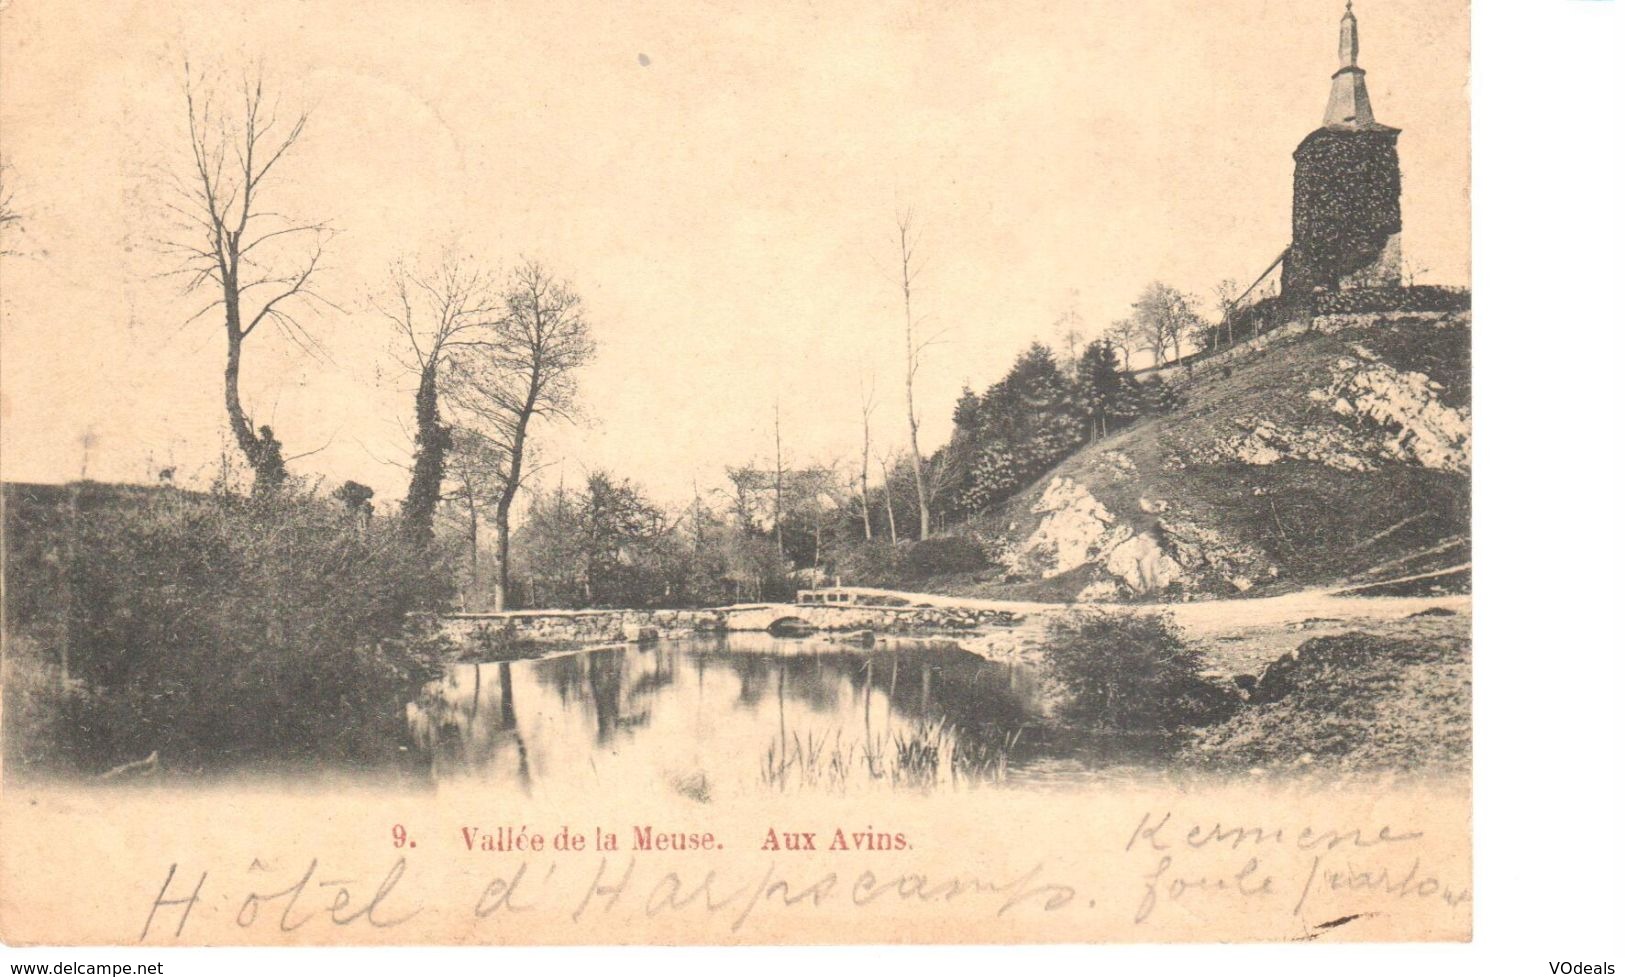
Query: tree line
x,y
493,352
777,525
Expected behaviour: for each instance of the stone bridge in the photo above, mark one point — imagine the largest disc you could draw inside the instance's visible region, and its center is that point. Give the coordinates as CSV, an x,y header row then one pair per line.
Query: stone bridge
x,y
999,631
831,609
858,617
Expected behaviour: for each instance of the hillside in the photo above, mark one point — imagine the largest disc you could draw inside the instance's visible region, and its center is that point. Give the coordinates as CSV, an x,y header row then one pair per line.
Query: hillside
x,y
1334,451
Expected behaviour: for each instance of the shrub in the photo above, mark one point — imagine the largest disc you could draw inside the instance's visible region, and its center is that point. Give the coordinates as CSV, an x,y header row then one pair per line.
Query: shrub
x,y
867,563
1160,397
943,555
216,628
1130,672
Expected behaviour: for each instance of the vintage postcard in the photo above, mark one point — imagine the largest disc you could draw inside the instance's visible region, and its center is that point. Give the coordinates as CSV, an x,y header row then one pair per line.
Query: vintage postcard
x,y
736,473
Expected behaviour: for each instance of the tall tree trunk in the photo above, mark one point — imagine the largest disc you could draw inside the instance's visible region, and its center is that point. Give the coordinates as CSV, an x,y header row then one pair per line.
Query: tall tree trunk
x,y
510,484
262,450
503,505
697,528
868,528
908,387
473,545
863,479
891,514
510,488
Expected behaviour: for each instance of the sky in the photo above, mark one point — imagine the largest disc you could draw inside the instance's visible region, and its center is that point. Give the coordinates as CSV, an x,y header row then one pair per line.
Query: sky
x,y
719,180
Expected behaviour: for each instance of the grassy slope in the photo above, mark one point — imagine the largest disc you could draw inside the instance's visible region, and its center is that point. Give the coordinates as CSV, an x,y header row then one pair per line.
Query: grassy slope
x,y
1315,524
1395,696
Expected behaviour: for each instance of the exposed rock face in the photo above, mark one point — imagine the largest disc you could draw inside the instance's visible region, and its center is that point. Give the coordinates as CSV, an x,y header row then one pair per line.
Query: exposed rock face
x,y
1075,529
1141,564
1120,466
1420,428
1071,528
1391,416
1214,557
1265,443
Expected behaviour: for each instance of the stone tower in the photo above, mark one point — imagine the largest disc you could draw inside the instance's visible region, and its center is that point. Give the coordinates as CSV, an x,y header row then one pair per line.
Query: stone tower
x,y
1345,189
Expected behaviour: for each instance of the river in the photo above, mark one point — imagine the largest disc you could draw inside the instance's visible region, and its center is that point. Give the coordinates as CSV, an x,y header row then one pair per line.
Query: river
x,y
723,715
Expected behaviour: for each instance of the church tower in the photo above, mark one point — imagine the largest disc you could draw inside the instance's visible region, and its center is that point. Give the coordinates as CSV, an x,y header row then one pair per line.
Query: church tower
x,y
1345,189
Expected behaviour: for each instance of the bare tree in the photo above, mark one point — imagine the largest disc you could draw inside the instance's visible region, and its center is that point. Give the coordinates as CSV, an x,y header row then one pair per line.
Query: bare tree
x,y
1122,336
886,470
748,482
913,350
260,261
866,397
815,497
947,467
1165,319
525,368
1069,332
432,315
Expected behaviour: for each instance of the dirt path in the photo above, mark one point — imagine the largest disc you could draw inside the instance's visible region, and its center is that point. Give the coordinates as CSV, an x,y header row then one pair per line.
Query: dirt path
x,y
1239,635
1213,618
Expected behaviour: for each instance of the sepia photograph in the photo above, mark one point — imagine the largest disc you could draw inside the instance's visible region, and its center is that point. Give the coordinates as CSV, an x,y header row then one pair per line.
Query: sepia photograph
x,y
713,473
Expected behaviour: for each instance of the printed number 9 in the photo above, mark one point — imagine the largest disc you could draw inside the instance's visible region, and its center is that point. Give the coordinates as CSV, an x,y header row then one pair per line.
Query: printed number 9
x,y
399,834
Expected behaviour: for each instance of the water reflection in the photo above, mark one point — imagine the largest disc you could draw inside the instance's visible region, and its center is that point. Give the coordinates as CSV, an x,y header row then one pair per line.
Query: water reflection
x,y
739,713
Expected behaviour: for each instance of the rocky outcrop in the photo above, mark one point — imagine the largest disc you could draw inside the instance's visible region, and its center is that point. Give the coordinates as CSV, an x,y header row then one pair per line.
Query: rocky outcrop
x,y
1222,563
1074,529
1265,443
1365,700
1141,564
1382,415
1418,428
1312,461
1118,466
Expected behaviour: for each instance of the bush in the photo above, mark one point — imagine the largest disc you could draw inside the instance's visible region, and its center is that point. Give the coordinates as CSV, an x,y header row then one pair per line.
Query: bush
x,y
867,563
1130,672
215,628
875,563
1160,397
940,555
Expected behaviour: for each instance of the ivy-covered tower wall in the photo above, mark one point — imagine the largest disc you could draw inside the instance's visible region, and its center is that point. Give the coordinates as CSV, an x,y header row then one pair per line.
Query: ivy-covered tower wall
x,y
1345,189
1345,211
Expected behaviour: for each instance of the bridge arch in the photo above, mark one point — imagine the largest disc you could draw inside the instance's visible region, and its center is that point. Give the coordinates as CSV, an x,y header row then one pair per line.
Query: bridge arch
x,y
790,626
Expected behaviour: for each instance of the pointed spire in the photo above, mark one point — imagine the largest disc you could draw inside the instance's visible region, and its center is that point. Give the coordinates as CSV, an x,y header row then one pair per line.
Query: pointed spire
x,y
1348,42
1350,105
